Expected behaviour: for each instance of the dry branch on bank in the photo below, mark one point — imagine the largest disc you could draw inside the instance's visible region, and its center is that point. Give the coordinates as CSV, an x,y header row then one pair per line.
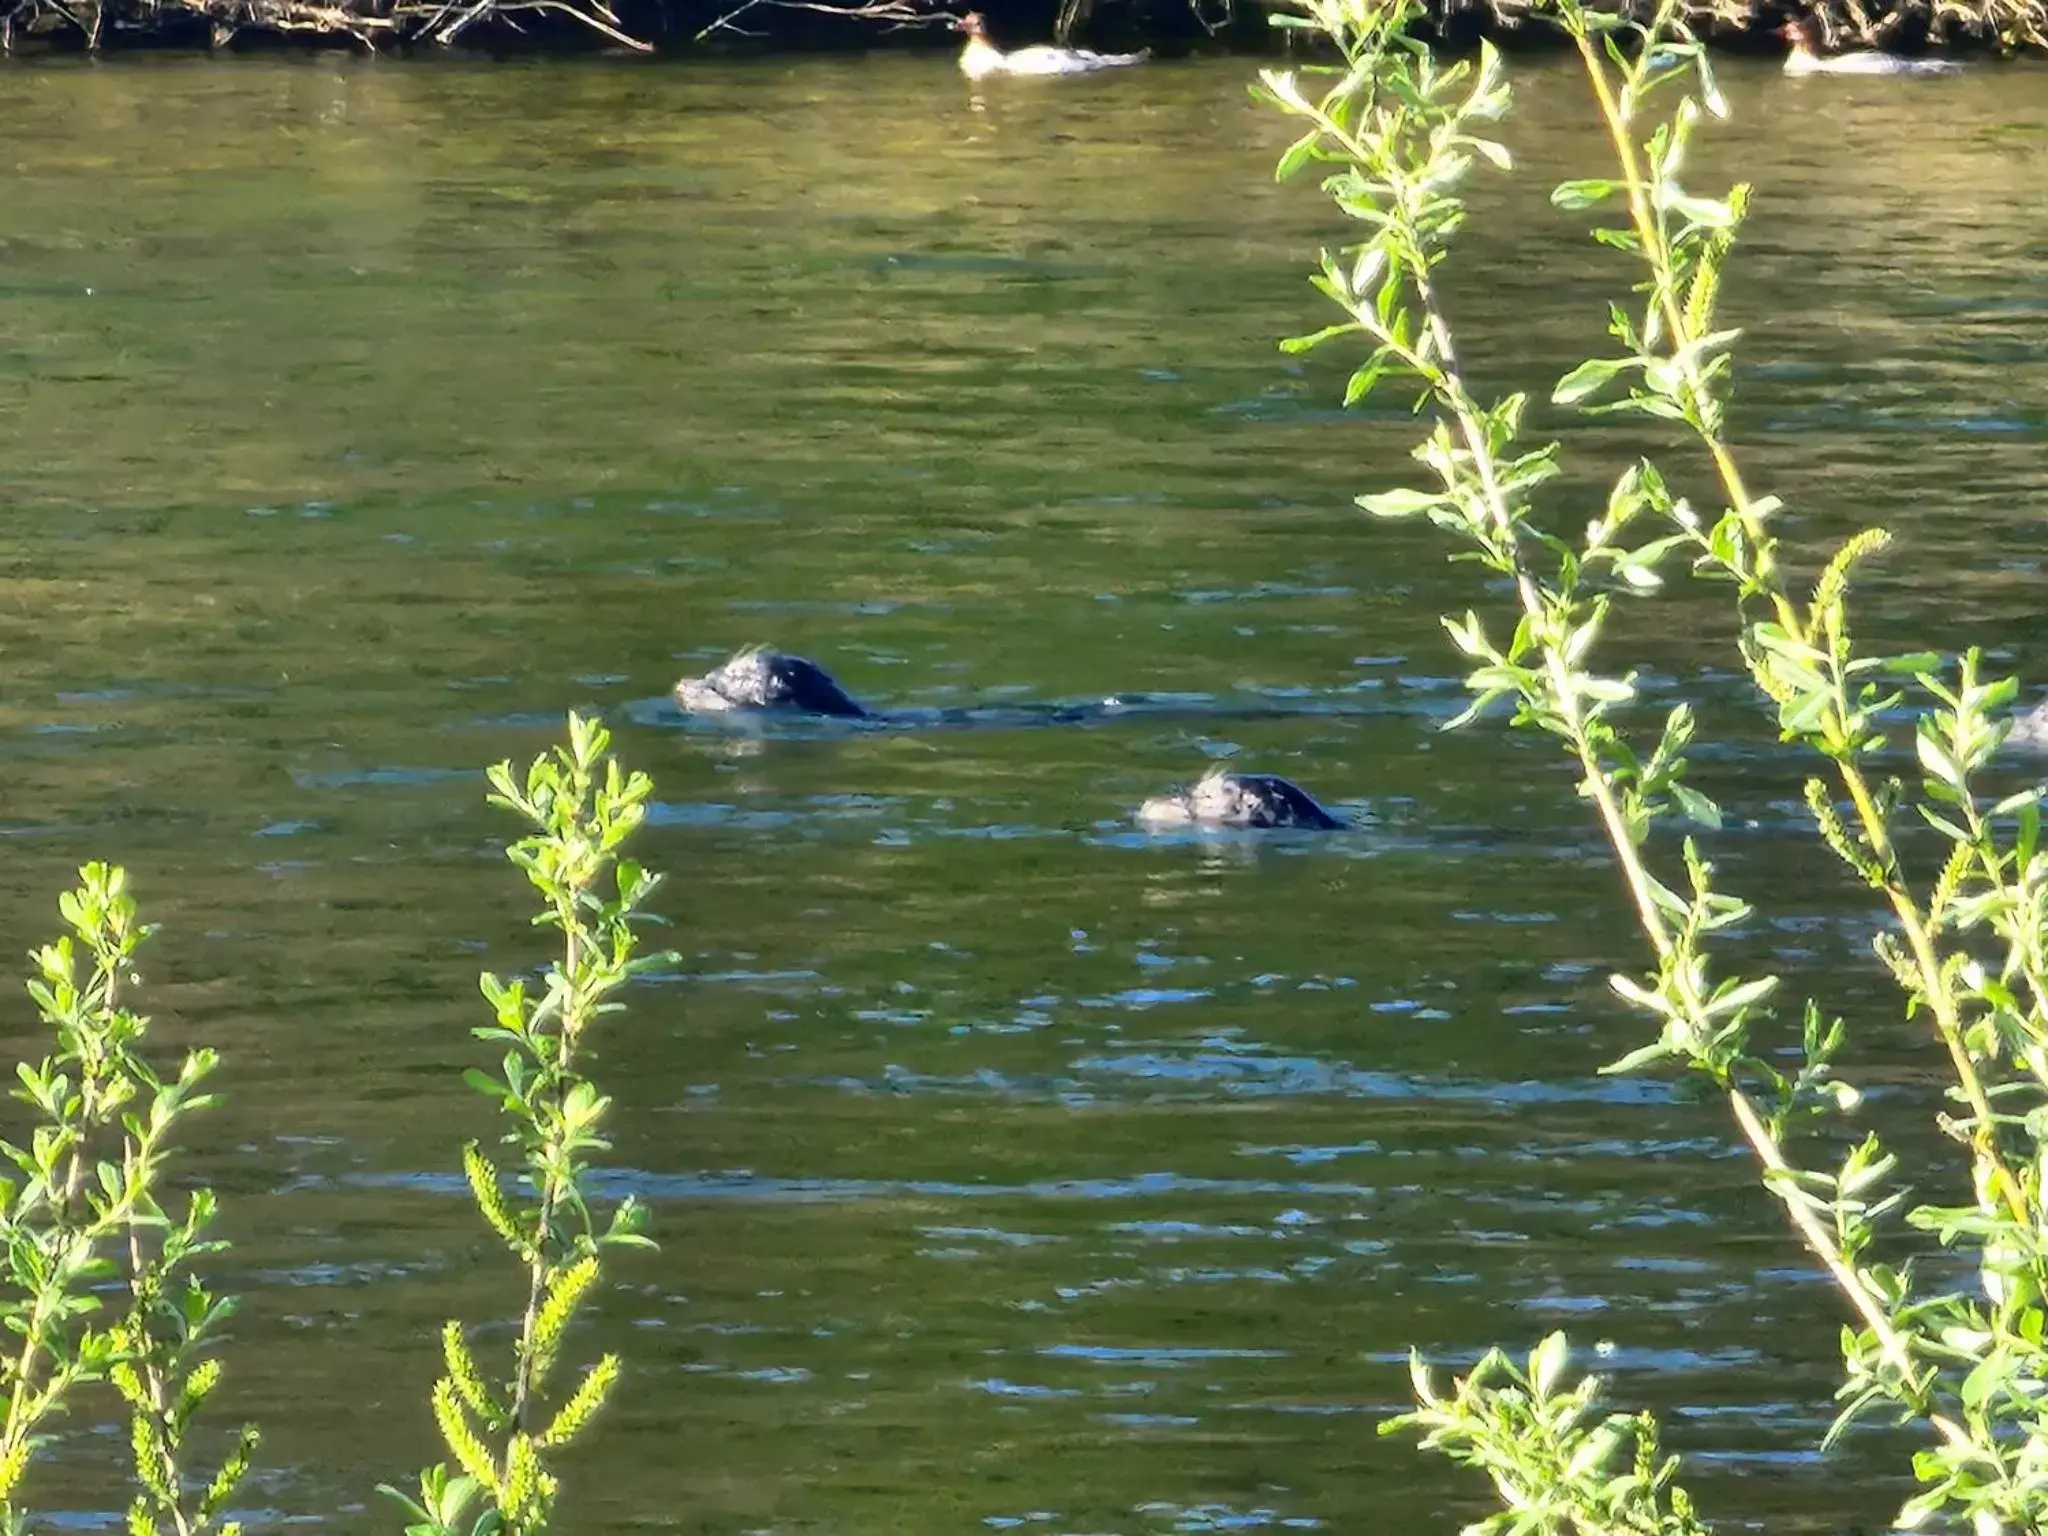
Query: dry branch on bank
x,y
446,22
886,15
370,23
2008,24
94,24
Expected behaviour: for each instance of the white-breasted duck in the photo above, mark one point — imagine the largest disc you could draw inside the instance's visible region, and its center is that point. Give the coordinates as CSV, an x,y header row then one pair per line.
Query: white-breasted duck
x,y
1804,34
981,58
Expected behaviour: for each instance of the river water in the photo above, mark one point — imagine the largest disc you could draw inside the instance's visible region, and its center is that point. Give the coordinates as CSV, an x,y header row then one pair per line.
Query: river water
x,y
1012,1171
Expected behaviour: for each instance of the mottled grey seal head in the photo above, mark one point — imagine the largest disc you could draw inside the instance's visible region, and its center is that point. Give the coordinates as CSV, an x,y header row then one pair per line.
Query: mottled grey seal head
x,y
2029,731
758,678
1251,800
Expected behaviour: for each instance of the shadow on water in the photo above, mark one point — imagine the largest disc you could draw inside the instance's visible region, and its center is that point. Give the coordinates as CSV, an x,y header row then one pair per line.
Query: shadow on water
x,y
1015,1169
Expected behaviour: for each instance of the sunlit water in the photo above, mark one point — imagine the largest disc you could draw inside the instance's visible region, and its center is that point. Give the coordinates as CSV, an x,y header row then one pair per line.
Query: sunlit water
x,y
1013,1170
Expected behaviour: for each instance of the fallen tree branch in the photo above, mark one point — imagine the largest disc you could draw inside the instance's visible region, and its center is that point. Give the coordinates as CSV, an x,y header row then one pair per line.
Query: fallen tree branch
x,y
899,14
594,14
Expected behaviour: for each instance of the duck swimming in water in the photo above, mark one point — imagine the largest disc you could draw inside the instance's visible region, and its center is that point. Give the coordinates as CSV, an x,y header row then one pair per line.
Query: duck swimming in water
x,y
1248,800
758,678
1803,33
982,58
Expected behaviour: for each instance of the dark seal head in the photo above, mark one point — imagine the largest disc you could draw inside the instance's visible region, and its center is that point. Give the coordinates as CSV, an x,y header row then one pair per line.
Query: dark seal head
x,y
758,678
1223,799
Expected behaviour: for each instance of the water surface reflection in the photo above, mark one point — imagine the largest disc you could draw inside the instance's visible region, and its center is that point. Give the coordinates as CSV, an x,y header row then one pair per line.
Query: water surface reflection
x,y
1015,1170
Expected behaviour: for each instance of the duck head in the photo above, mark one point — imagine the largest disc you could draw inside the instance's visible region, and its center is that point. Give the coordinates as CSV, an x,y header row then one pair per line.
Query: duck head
x,y
1801,32
972,25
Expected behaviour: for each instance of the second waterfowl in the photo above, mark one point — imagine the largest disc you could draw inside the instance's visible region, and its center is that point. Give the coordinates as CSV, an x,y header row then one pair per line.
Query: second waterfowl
x,y
1803,33
981,58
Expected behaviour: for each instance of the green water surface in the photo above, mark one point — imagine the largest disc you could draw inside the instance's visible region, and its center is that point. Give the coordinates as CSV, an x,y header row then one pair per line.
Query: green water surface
x,y
1012,1170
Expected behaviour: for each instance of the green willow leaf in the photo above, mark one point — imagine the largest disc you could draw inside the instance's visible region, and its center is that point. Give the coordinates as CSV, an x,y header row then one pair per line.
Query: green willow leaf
x,y
1575,195
1401,502
1588,379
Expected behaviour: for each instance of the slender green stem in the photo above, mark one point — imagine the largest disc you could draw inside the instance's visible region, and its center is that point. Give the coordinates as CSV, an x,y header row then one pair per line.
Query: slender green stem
x,y
579,808
98,1000
1649,228
569,1026
1657,253
1441,367
1816,1235
1966,1364
1565,698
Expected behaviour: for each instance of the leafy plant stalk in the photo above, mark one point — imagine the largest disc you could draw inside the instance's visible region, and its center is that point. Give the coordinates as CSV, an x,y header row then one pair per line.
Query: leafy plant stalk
x,y
582,808
1619,85
87,1209
1399,128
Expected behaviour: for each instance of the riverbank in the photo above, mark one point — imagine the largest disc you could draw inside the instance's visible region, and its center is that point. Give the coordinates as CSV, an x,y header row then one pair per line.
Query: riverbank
x,y
680,26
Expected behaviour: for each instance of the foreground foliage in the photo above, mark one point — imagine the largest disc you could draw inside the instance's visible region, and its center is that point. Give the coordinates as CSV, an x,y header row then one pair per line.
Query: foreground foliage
x,y
581,808
101,1282
87,1215
1962,877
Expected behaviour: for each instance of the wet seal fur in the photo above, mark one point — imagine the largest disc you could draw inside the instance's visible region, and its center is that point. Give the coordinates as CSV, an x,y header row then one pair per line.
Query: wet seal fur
x,y
2029,732
1248,800
758,678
